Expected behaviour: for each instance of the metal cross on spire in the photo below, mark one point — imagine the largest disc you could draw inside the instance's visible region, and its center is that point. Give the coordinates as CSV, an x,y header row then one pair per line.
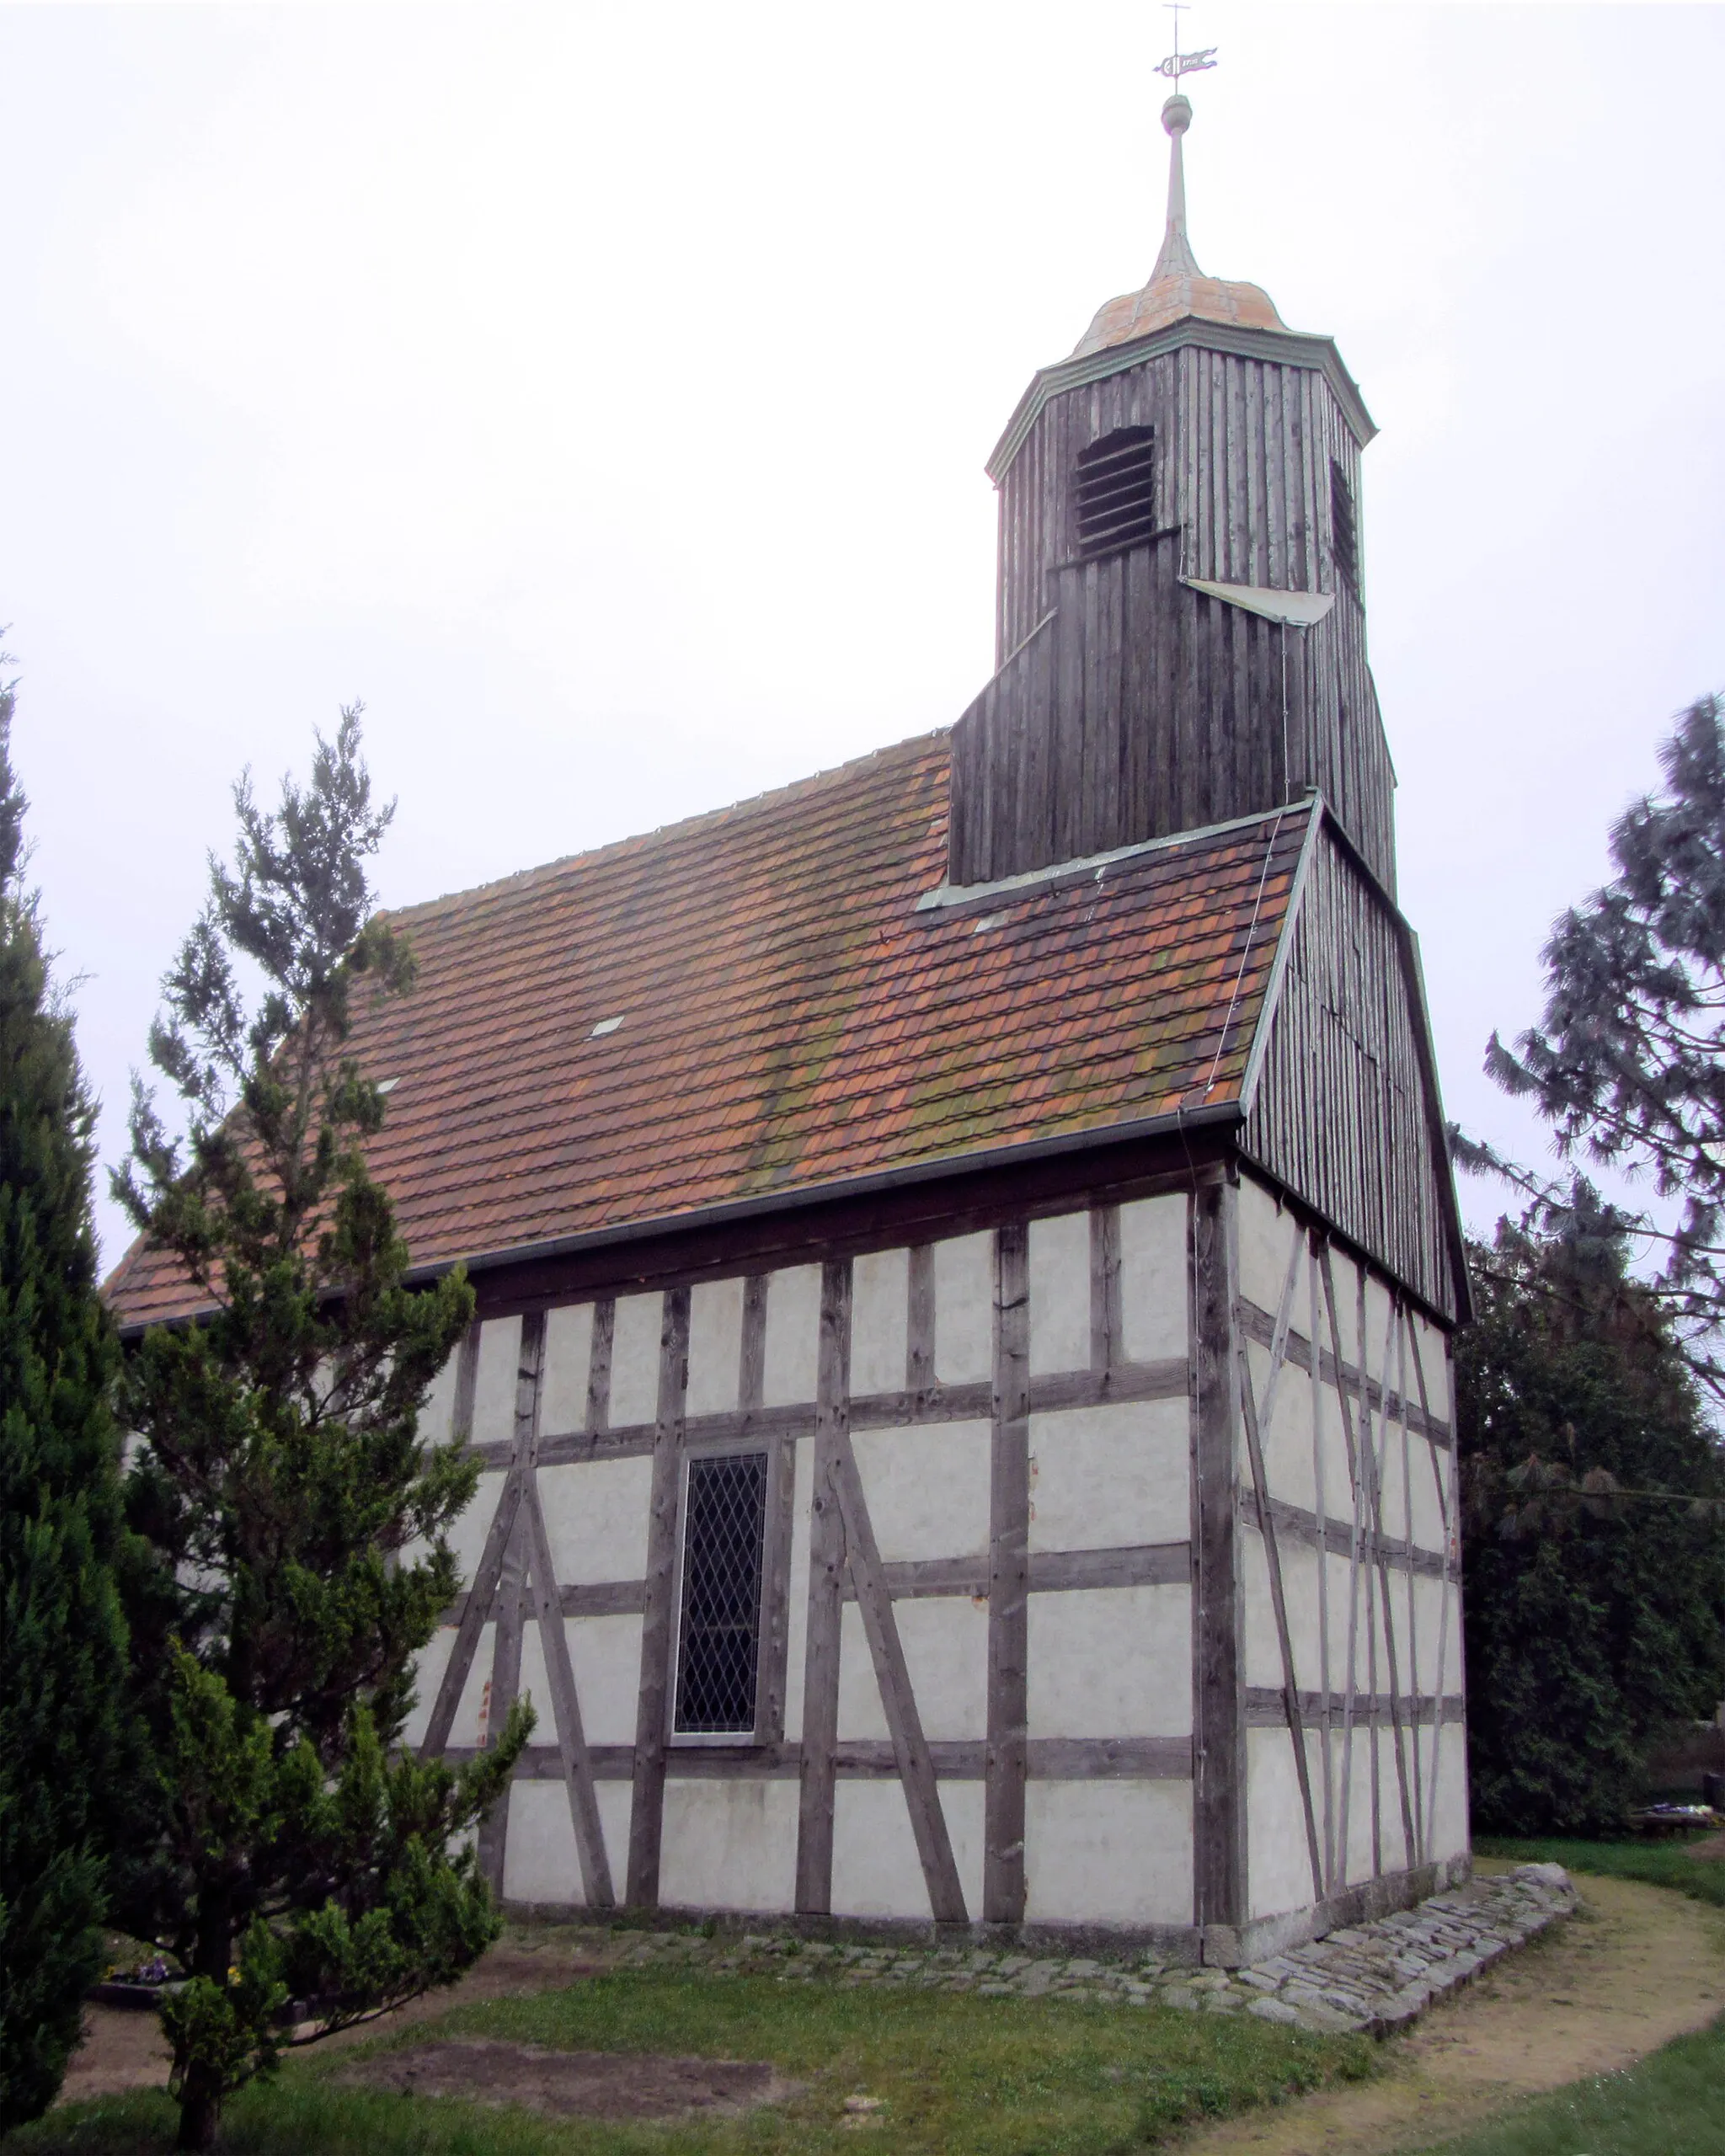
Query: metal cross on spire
x,y
1179,63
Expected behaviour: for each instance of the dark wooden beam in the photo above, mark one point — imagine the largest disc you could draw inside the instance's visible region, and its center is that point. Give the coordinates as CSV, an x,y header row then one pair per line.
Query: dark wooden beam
x,y
599,1364
934,1847
1219,1700
1052,1572
1279,1606
482,1590
826,1572
1106,1348
1260,1326
1049,1759
1008,1583
512,1588
1333,1535
1049,1394
920,1383
1267,1707
566,1710
652,1719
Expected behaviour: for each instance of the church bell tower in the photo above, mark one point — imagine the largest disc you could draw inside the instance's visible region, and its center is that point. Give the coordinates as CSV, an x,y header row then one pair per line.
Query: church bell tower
x,y
1180,626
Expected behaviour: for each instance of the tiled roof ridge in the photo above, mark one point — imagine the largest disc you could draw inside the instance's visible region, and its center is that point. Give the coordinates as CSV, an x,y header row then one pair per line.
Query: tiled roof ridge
x,y
770,798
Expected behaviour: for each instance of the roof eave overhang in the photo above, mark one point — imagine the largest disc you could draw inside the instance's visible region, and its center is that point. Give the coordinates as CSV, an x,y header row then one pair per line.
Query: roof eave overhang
x,y
794,1198
1283,347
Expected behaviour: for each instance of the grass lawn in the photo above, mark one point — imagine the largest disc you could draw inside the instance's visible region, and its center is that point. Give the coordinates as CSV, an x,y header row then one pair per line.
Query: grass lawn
x,y
960,2075
1657,1863
1673,2104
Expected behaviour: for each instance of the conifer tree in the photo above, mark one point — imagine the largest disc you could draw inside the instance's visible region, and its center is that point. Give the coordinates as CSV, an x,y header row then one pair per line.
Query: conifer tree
x,y
1627,1064
62,1643
296,1525
1593,1511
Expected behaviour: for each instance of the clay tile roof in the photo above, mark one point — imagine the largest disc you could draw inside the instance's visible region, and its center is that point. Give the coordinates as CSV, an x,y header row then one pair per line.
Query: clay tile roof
x,y
789,1019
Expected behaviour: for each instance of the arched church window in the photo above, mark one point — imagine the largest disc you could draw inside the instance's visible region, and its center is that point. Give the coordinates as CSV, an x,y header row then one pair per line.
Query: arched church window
x,y
1344,532
1116,493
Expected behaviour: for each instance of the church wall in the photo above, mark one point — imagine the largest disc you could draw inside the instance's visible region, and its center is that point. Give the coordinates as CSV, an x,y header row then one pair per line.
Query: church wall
x,y
1107,1626
901,1363
1361,1484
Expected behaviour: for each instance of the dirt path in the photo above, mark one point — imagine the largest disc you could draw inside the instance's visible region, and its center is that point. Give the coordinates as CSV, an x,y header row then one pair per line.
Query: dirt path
x,y
1636,1966
122,2048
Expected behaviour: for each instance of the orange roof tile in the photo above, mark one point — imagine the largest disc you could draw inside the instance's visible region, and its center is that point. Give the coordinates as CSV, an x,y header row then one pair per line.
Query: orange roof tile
x,y
791,1020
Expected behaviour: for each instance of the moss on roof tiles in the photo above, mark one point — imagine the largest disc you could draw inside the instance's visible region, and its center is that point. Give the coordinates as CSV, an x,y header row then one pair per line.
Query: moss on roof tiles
x,y
792,1020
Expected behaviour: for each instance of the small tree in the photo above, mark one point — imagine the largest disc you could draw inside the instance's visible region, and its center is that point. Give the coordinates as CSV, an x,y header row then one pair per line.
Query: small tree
x,y
1628,1063
296,1525
62,1643
1594,1504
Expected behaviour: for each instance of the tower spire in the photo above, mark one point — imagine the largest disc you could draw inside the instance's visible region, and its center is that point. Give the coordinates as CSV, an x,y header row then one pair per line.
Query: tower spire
x,y
1177,288
1177,258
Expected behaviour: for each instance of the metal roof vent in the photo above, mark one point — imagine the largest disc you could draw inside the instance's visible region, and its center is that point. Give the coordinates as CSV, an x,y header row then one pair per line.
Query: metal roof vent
x,y
1116,493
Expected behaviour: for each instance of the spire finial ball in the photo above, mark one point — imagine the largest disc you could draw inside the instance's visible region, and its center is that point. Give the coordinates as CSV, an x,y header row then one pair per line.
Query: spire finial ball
x,y
1177,114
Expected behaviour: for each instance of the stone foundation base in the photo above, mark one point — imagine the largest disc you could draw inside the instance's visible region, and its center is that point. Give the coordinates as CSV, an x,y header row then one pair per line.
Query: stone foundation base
x,y
1371,1974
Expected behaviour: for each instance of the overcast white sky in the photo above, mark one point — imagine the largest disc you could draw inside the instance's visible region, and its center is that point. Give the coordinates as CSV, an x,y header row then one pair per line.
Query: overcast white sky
x,y
600,394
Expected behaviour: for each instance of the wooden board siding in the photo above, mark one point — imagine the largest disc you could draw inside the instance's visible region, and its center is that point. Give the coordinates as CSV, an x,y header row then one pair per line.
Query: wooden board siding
x,y
1345,1114
1128,706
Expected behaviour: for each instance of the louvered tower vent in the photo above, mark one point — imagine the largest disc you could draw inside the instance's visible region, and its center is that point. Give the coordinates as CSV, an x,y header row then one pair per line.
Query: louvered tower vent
x,y
1116,496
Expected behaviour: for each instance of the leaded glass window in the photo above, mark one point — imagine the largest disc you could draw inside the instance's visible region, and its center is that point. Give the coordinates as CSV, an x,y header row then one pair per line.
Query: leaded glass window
x,y
718,1636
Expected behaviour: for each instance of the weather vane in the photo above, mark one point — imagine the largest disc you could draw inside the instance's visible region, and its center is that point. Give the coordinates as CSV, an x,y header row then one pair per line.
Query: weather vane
x,y
1179,63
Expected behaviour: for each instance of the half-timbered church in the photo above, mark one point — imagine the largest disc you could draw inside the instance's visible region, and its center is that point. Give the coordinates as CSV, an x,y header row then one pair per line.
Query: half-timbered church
x,y
966,1253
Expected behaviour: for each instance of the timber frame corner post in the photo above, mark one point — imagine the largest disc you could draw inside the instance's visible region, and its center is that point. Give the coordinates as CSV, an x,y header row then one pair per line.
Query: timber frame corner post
x,y
828,1561
1219,1850
646,1797
1003,1874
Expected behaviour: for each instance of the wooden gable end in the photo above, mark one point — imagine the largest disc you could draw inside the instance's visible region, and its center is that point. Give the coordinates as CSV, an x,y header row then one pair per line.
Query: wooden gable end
x,y
1342,1103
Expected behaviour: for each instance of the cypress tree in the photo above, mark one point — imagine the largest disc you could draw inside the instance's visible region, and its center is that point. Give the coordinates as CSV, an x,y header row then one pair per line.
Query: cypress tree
x,y
296,1526
62,1643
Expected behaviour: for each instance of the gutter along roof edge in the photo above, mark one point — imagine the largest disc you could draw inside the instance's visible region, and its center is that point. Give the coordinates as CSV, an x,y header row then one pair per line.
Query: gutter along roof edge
x,y
794,1197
